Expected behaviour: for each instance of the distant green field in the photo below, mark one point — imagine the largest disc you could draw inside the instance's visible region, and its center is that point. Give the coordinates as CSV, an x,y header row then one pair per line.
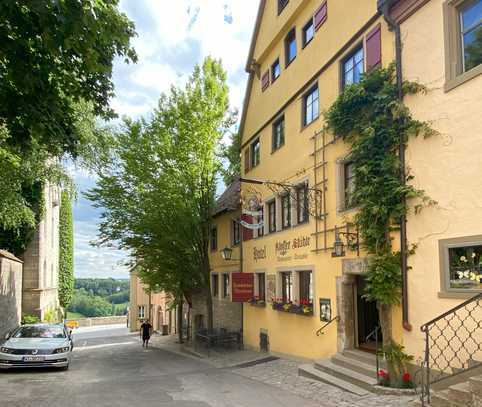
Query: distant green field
x,y
74,315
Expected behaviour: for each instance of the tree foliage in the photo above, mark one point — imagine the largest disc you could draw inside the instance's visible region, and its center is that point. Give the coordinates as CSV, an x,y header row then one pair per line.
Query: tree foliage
x,y
56,61
158,192
370,117
66,250
232,154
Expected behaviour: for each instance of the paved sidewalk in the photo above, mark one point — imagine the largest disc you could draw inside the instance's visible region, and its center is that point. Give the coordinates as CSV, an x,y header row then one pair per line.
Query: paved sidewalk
x,y
281,373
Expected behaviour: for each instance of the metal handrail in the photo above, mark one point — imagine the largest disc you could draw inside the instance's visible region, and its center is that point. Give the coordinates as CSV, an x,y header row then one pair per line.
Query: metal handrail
x,y
374,334
424,327
320,331
427,378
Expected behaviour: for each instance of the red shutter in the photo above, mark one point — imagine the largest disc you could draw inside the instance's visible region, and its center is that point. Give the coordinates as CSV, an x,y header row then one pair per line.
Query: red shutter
x,y
247,233
373,44
321,15
265,81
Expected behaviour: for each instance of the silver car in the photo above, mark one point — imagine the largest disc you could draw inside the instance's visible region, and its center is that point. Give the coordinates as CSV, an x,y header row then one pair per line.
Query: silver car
x,y
39,345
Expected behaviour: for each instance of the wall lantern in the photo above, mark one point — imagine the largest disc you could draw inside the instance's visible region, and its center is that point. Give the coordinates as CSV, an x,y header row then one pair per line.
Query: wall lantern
x,y
352,242
227,253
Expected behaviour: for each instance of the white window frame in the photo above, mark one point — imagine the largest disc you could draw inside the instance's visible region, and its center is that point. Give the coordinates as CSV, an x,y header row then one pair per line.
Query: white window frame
x,y
141,311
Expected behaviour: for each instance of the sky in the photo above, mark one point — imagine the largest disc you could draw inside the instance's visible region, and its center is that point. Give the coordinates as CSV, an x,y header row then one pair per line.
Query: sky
x,y
173,36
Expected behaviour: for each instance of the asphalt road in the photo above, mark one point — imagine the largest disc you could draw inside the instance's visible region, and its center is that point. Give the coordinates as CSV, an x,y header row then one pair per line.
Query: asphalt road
x,y
110,368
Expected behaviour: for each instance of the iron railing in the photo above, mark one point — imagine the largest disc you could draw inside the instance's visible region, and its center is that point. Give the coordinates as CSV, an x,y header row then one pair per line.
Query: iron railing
x,y
453,344
320,331
374,334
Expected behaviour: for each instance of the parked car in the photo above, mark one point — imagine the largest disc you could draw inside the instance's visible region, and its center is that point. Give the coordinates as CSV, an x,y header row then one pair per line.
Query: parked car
x,y
37,345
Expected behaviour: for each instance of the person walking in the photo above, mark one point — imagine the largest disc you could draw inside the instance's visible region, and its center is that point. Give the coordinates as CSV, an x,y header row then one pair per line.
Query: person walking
x,y
145,333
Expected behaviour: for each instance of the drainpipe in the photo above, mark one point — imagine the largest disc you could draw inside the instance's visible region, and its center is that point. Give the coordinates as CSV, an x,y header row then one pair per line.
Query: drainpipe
x,y
384,8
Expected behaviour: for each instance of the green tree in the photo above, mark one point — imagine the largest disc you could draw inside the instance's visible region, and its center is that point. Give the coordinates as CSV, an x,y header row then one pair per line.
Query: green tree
x,y
66,250
232,154
56,61
159,189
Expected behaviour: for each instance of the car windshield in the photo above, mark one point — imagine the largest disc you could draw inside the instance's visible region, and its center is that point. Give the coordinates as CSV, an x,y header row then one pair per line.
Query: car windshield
x,y
39,332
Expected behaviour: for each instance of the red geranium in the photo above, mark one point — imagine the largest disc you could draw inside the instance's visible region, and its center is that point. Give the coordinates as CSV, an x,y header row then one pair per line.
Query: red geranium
x,y
382,373
406,377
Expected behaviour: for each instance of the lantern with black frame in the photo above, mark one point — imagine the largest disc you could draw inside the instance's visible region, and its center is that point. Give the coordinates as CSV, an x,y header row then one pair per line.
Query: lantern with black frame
x,y
352,241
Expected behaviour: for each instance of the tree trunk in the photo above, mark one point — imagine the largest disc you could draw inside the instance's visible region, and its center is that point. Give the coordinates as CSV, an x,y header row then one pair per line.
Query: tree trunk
x,y
385,313
179,322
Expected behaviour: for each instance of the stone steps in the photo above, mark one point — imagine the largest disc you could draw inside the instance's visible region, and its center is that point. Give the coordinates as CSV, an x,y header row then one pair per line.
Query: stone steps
x,y
465,394
308,370
368,369
347,374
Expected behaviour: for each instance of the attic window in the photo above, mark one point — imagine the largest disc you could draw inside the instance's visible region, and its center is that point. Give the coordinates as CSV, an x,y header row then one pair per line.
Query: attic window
x,y
281,5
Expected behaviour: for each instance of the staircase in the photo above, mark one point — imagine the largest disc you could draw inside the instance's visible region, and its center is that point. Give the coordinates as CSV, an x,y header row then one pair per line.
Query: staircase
x,y
465,394
353,371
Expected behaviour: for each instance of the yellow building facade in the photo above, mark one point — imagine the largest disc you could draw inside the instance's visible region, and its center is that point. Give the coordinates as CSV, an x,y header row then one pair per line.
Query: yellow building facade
x,y
302,54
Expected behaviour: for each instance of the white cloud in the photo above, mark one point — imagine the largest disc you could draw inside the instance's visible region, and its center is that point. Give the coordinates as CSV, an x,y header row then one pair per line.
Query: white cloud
x,y
173,37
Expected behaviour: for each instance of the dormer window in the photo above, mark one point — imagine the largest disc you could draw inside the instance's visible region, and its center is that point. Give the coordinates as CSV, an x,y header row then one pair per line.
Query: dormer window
x,y
281,5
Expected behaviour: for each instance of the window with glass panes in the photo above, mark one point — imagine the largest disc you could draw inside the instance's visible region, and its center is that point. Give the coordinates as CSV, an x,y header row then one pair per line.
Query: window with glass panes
x,y
215,285
214,238
272,216
261,220
225,285
353,67
311,106
308,32
285,211
302,203
275,70
261,286
255,153
236,231
286,286
349,183
278,133
290,47
471,33
306,286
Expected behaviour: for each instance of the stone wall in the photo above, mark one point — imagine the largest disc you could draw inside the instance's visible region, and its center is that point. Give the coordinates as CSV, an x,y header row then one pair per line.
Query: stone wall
x,y
10,292
226,314
83,322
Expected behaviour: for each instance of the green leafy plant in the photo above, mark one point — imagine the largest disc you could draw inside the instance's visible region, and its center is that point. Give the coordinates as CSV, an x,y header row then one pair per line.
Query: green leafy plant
x,y
397,361
374,122
30,319
66,250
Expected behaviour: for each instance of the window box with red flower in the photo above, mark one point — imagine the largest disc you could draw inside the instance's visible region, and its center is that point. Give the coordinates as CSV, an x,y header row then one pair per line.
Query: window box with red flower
x,y
303,307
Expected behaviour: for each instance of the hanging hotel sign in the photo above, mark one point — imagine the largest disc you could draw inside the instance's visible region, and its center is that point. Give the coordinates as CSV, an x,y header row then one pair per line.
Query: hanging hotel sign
x,y
251,226
242,287
285,248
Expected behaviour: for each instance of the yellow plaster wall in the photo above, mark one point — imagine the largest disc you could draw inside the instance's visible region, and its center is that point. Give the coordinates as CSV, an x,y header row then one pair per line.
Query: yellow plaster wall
x,y
345,18
289,333
448,167
217,263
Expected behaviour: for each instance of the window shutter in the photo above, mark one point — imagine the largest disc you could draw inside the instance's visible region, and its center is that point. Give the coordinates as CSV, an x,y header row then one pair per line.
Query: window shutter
x,y
265,81
321,15
247,233
246,161
373,45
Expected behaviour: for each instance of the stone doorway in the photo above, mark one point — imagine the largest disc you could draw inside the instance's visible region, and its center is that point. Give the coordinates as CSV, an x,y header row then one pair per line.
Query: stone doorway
x,y
358,317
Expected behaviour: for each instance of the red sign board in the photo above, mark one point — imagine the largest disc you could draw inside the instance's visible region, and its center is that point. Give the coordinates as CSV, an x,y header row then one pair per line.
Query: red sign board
x,y
243,287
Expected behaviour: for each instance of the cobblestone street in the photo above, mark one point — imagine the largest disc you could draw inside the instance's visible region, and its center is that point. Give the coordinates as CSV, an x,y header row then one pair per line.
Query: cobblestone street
x,y
283,373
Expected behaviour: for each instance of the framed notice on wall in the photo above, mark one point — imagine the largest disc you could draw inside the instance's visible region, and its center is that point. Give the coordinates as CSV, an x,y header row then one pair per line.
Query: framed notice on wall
x,y
270,287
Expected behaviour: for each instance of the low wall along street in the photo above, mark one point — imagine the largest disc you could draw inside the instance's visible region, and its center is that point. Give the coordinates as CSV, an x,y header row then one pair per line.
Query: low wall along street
x,y
10,292
83,322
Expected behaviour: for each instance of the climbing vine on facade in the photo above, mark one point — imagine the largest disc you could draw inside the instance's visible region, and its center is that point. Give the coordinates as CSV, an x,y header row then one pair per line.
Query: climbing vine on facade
x,y
371,119
66,250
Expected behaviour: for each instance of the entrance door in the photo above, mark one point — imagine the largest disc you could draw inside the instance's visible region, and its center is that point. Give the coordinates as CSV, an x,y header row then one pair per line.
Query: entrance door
x,y
367,318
